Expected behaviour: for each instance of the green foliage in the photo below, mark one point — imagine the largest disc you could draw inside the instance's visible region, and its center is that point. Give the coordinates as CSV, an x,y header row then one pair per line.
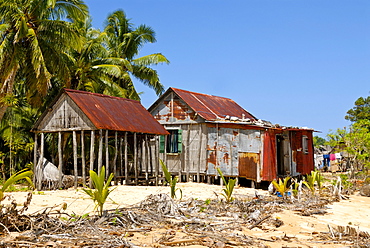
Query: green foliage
x,y
346,183
361,110
23,174
314,178
171,181
282,186
318,141
100,192
230,184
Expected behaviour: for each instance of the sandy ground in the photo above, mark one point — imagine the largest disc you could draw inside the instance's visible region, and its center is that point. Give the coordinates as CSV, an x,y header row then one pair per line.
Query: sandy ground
x,y
354,212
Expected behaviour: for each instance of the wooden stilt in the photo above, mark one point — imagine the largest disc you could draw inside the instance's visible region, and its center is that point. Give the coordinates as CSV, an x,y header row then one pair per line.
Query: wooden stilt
x,y
107,169
100,154
92,146
115,156
126,162
60,158
35,159
83,159
145,157
75,158
40,164
135,158
156,159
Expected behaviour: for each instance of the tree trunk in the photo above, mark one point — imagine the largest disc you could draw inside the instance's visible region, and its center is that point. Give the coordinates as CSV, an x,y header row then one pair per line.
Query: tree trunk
x,y
7,88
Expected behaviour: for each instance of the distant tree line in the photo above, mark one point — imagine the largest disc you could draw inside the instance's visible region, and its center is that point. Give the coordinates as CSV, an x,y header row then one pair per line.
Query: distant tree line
x,y
355,139
46,46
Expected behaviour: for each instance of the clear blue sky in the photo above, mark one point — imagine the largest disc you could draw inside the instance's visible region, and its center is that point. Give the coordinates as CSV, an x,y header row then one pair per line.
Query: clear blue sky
x,y
293,62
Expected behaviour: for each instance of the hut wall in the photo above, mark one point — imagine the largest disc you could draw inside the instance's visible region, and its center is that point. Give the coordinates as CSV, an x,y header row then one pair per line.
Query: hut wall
x,y
173,110
192,158
65,116
237,152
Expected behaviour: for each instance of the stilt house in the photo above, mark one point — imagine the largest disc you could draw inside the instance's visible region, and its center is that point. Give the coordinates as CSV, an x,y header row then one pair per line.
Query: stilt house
x,y
206,132
104,131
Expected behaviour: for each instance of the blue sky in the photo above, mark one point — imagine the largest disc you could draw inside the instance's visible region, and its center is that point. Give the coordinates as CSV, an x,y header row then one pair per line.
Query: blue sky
x,y
293,62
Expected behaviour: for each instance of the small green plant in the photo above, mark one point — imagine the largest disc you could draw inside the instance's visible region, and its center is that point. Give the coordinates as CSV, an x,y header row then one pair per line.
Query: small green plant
x,y
295,188
310,181
23,174
229,187
207,201
171,181
100,191
281,186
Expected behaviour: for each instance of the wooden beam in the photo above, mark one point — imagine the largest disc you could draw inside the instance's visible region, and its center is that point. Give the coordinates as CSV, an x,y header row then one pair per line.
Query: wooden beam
x,y
40,164
100,153
156,158
126,162
83,159
75,158
92,146
115,156
135,158
60,158
107,171
200,152
35,158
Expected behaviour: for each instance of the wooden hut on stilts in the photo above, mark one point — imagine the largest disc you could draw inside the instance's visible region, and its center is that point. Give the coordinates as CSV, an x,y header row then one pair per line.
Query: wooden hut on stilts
x,y
114,132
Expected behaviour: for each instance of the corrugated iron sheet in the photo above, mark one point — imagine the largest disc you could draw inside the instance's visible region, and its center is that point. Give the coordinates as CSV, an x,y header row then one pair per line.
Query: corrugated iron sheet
x,y
115,113
212,107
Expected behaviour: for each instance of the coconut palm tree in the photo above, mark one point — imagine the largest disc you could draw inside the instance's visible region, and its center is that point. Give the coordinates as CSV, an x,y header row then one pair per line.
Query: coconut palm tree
x,y
92,69
124,41
34,38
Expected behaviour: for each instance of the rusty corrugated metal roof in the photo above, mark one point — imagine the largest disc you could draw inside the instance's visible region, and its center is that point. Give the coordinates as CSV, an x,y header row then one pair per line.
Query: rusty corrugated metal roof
x,y
212,107
116,113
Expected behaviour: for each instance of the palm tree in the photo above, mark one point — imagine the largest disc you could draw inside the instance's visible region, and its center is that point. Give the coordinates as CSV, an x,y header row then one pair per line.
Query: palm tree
x,y
34,38
92,69
124,41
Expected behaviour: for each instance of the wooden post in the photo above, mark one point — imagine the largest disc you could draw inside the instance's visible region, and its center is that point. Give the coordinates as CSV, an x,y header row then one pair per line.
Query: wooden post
x,y
126,162
121,156
200,152
156,158
188,162
100,154
35,159
92,146
40,164
60,158
135,158
115,156
75,158
83,159
145,158
107,171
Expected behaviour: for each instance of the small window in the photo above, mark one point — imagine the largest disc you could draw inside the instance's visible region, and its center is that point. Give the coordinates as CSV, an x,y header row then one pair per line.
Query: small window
x,y
305,144
173,141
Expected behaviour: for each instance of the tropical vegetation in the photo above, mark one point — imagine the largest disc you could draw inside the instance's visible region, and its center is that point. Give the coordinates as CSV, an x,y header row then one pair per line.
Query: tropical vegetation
x,y
46,46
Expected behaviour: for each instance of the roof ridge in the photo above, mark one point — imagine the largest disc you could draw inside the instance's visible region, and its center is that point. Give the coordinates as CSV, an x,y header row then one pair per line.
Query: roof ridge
x,y
99,94
197,93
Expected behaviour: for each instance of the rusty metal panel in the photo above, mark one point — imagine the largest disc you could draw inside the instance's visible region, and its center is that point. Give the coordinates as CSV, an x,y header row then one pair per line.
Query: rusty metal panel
x,y
250,141
212,107
222,151
115,113
248,164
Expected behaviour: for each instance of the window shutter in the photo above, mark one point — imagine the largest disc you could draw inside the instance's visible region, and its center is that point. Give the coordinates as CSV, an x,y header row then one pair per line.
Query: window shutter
x,y
161,143
179,141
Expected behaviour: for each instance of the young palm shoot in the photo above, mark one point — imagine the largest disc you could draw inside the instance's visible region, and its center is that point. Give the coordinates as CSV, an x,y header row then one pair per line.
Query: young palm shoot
x,y
23,174
310,181
171,181
281,186
100,191
230,184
